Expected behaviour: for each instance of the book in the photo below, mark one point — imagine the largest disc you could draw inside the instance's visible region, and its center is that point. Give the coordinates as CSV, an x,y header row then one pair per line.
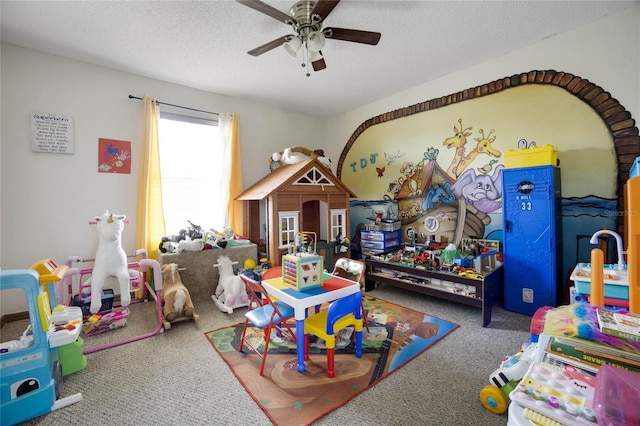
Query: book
x,y
628,353
622,325
561,360
588,355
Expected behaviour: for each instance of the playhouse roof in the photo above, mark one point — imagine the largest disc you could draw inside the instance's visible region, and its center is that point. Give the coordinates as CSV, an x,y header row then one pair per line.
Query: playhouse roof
x,y
287,175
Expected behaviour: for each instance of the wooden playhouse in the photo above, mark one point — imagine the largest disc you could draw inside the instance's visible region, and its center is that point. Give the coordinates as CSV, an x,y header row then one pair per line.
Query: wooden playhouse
x,y
293,198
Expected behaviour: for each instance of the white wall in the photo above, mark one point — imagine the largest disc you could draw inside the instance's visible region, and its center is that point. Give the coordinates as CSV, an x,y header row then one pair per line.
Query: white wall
x,y
606,53
48,199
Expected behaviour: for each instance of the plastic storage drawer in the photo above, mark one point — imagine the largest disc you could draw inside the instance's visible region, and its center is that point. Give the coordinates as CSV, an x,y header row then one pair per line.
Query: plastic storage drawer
x,y
381,235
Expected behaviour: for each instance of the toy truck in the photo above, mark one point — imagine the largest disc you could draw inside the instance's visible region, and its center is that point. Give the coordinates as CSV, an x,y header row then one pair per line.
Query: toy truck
x,y
30,369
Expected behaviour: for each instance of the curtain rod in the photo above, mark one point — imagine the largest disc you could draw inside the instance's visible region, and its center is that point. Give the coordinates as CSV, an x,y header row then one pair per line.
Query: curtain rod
x,y
177,106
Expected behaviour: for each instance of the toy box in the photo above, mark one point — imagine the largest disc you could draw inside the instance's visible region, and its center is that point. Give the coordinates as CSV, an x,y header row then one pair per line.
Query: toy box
x,y
616,397
528,157
303,270
107,302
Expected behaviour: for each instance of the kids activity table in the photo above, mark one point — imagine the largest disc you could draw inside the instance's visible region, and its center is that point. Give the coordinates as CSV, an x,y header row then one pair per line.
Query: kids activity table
x,y
332,288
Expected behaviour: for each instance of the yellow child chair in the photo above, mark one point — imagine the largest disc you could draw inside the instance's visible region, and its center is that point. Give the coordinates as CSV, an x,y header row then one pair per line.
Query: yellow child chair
x,y
327,323
273,314
354,270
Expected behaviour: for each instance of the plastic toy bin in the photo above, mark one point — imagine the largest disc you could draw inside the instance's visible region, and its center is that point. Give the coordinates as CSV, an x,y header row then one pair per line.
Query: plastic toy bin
x,y
546,155
616,397
85,305
105,321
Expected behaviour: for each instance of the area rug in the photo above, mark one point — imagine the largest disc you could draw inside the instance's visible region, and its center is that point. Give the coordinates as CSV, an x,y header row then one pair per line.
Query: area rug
x,y
396,336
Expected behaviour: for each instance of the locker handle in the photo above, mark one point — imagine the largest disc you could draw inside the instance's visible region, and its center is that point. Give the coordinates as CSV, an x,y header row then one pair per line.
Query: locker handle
x,y
507,226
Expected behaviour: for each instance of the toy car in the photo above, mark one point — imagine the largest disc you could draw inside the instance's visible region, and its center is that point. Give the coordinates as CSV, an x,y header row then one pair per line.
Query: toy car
x,y
470,273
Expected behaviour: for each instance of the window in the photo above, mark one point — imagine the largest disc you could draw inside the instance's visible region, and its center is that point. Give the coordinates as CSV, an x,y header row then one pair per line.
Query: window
x,y
288,228
338,224
191,156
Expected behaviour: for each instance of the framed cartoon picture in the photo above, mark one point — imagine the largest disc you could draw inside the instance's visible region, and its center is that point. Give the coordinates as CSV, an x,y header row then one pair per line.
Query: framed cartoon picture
x,y
114,156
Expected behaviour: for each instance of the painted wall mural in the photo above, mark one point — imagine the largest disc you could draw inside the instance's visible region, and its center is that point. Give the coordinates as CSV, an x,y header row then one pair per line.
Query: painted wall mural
x,y
437,166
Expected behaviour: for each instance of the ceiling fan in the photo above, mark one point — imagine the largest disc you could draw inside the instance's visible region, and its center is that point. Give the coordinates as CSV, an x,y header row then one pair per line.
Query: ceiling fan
x,y
306,17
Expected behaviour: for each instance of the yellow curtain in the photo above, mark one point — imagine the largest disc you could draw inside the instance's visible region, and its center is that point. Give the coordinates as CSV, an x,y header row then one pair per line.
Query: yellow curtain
x,y
150,212
235,209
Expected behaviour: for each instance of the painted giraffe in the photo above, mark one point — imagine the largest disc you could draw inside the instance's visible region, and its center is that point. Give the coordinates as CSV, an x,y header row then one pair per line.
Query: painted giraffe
x,y
483,147
457,141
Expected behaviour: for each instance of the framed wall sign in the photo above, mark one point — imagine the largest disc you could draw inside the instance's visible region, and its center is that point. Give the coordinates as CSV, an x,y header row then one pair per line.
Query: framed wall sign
x,y
51,133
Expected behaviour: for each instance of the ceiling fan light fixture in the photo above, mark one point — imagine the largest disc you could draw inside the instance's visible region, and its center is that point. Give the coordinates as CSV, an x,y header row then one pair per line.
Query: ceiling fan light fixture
x,y
293,46
315,41
314,56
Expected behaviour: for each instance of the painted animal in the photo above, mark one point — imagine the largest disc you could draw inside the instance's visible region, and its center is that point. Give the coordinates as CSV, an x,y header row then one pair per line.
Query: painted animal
x,y
457,141
439,194
483,147
230,290
111,260
175,295
482,191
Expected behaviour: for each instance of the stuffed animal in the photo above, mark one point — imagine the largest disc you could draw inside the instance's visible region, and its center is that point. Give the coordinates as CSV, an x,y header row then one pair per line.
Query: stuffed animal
x,y
175,296
190,245
111,260
230,290
293,157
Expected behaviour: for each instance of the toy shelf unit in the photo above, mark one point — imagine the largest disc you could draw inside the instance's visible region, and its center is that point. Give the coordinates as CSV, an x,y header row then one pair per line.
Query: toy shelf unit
x,y
478,292
111,316
303,270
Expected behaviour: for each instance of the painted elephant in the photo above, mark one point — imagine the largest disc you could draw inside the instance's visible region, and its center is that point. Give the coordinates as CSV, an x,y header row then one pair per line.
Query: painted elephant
x,y
482,191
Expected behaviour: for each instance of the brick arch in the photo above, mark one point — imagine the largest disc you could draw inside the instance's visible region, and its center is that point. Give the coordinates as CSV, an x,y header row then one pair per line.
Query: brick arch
x,y
622,127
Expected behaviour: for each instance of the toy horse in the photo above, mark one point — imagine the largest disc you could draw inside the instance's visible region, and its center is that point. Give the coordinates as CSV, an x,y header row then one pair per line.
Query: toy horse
x,y
111,260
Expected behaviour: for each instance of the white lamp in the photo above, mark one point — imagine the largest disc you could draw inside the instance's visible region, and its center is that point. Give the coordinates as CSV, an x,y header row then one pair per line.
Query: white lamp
x,y
315,41
314,56
292,46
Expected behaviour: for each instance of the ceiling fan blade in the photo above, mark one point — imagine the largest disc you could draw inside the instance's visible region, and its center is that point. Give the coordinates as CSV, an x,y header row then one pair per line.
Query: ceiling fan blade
x,y
323,8
319,65
268,10
268,46
356,36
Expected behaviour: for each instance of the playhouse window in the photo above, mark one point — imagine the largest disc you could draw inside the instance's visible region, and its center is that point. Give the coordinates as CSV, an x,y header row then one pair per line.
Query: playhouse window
x,y
288,228
338,223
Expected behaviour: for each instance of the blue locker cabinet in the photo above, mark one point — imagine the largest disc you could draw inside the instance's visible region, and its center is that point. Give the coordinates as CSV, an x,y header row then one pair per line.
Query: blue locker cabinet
x,y
532,229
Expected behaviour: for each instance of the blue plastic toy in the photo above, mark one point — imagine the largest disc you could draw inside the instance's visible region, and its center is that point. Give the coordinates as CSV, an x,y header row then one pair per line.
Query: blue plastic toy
x,y
30,369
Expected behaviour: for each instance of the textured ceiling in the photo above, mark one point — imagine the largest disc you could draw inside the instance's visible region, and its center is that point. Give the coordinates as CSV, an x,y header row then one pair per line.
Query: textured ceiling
x,y
203,44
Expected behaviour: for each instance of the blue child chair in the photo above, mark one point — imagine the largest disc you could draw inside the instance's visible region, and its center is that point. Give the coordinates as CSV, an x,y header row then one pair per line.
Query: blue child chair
x,y
267,316
327,323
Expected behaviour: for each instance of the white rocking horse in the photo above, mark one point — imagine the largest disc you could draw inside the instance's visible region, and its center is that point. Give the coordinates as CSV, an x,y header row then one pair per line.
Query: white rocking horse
x,y
111,260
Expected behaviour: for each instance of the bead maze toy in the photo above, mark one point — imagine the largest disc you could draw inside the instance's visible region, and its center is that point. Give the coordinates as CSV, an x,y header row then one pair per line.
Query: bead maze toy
x,y
30,368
